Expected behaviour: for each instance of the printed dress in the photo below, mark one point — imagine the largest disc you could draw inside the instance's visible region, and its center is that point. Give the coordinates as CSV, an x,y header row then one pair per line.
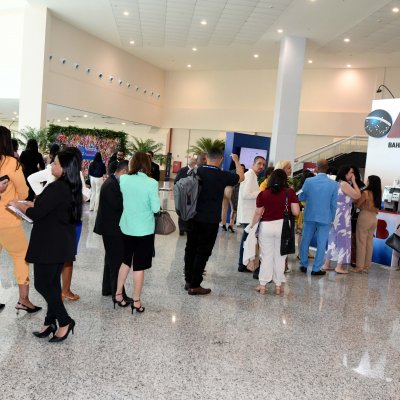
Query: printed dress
x,y
339,243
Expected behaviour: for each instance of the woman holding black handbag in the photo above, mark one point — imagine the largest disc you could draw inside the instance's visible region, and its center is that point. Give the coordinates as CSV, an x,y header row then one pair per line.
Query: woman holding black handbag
x,y
271,205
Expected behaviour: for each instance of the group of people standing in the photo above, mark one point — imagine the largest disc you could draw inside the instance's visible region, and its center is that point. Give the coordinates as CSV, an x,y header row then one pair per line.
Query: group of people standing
x,y
128,201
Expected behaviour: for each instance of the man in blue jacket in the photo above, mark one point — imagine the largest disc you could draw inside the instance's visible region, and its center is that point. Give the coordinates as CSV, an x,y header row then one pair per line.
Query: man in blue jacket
x,y
320,195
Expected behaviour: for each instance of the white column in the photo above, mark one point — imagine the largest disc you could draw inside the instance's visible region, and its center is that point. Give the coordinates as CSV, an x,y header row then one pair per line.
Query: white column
x,y
287,103
33,101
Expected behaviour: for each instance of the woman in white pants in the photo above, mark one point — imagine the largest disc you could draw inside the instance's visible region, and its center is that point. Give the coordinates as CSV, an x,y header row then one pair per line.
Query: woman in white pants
x,y
270,211
97,170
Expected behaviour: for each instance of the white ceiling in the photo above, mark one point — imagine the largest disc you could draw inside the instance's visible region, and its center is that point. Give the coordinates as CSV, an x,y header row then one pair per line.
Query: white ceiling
x,y
165,31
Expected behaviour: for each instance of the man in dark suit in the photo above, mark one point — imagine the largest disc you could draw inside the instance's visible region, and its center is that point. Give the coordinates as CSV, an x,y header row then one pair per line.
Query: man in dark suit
x,y
155,168
182,173
113,164
107,225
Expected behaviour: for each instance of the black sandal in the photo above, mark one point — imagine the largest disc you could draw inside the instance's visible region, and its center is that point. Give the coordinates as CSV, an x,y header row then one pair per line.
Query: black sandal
x,y
115,301
138,309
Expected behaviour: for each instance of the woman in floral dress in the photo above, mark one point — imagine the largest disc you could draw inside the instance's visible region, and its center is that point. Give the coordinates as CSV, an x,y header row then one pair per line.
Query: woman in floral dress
x,y
339,243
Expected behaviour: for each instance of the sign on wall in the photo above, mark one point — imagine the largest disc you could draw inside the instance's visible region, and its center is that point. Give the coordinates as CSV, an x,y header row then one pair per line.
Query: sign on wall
x,y
383,127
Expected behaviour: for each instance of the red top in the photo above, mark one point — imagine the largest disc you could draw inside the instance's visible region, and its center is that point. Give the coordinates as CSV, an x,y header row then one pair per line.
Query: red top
x,y
274,203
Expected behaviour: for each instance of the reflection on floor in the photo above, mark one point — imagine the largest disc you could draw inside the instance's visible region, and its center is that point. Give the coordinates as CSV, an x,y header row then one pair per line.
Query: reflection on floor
x,y
335,337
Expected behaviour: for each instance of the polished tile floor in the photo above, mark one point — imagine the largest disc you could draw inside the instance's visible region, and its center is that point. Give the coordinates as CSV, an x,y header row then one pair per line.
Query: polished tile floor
x,y
335,337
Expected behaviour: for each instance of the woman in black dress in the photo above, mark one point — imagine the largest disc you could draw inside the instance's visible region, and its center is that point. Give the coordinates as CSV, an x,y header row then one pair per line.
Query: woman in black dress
x,y
31,161
52,242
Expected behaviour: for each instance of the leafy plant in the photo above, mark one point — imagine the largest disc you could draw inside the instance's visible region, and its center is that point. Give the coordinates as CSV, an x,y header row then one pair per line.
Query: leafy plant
x,y
40,135
203,145
144,145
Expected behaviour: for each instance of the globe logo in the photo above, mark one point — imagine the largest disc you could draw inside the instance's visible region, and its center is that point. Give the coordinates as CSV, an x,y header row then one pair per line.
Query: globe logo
x,y
378,123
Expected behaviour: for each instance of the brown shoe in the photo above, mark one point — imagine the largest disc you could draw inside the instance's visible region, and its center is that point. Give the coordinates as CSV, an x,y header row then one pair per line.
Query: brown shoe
x,y
199,290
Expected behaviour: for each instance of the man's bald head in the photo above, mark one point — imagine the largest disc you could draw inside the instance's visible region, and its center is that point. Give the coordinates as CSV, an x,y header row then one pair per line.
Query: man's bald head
x,y
322,165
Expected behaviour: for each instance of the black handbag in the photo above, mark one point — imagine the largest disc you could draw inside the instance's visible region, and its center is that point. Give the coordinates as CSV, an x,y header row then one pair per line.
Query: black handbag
x,y
288,245
164,223
393,241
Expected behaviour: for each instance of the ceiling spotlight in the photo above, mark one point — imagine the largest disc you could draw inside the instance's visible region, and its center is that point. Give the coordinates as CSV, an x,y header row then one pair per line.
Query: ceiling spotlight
x,y
123,123
256,56
126,13
131,42
348,65
395,10
347,40
158,96
59,120
151,93
63,61
144,91
194,48
66,118
88,70
85,116
310,61
110,78
189,65
203,22
280,30
76,66
100,75
50,57
128,85
120,82
137,88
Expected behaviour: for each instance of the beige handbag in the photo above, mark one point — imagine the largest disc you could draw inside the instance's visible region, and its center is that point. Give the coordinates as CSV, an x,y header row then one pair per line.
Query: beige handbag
x,y
164,223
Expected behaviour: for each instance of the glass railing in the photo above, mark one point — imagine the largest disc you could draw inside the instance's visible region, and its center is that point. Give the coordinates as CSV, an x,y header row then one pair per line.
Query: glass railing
x,y
332,151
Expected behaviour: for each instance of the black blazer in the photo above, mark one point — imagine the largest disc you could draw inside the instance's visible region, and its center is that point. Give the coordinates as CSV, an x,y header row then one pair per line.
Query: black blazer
x,y
30,161
110,208
53,234
181,173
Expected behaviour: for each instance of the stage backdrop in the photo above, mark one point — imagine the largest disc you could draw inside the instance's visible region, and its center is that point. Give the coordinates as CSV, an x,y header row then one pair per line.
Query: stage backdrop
x,y
89,141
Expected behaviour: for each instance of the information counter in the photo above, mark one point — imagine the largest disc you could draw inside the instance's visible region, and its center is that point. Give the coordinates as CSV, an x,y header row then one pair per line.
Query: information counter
x,y
388,222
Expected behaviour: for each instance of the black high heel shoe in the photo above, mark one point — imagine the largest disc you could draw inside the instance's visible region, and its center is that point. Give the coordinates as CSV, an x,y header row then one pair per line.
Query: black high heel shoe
x,y
29,310
52,328
224,228
230,229
115,301
138,309
71,327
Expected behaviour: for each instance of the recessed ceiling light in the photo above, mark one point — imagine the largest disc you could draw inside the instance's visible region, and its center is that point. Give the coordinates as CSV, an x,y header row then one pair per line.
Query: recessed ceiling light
x,y
280,30
194,48
348,65
123,123
310,61
59,120
126,13
85,116
347,40
131,42
203,22
66,118
189,65
15,113
256,56
395,10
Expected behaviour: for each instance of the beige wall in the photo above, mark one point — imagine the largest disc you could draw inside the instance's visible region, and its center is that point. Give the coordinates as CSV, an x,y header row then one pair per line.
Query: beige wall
x,y
76,89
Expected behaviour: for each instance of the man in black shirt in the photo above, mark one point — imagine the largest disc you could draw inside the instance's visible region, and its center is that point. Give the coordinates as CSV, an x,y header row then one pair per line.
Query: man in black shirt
x,y
113,164
204,226
155,168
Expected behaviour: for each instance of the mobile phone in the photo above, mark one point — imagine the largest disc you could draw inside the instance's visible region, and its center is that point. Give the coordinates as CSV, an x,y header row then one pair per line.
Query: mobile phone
x,y
4,177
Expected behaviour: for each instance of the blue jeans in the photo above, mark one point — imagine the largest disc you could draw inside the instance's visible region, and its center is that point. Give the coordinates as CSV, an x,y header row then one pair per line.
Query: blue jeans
x,y
244,237
322,232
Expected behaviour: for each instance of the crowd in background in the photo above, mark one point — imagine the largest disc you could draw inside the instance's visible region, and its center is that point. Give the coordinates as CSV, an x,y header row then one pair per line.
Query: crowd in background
x,y
334,210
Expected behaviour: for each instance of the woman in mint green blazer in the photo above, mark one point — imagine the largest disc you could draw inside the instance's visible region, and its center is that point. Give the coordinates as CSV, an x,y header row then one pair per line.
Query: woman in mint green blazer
x,y
141,202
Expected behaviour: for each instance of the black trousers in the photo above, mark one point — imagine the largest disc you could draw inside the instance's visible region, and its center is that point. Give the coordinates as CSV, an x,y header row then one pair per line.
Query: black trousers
x,y
48,284
114,253
200,242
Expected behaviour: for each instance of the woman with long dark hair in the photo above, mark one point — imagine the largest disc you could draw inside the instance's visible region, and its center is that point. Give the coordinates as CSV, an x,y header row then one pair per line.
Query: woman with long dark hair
x,y
31,161
97,169
12,236
54,214
270,211
369,204
141,202
339,243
